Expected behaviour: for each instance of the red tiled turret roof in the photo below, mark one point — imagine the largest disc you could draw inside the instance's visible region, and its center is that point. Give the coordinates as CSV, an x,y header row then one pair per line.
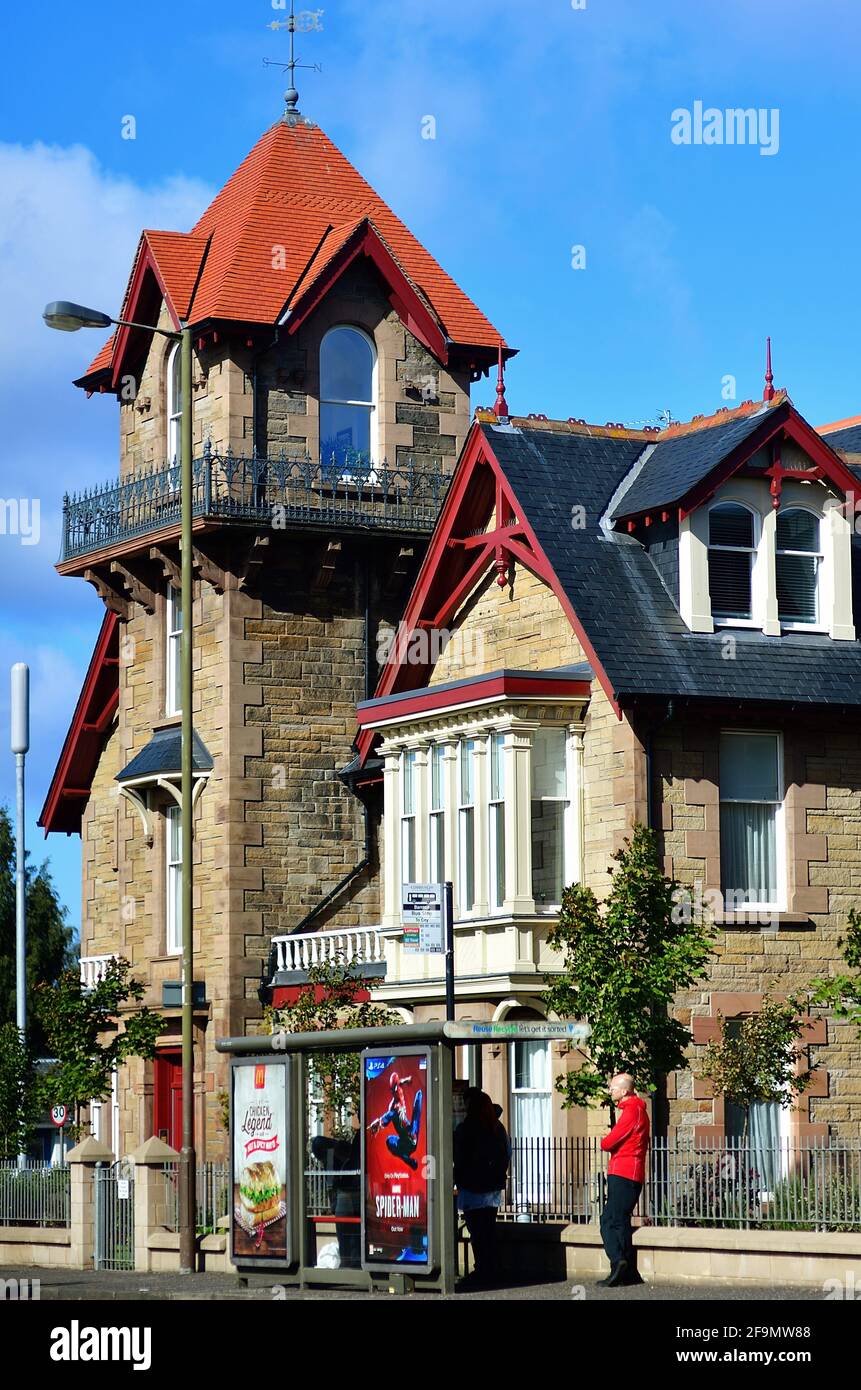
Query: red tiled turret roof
x,y
293,205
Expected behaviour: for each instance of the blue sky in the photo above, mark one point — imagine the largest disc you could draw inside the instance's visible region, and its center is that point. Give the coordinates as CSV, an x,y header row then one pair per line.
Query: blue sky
x,y
553,130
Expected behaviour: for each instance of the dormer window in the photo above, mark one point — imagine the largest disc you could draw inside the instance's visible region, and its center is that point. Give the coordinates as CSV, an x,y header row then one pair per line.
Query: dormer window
x,y
799,561
732,548
348,372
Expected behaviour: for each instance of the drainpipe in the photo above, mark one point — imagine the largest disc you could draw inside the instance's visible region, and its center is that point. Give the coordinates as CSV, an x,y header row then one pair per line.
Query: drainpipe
x,y
660,1104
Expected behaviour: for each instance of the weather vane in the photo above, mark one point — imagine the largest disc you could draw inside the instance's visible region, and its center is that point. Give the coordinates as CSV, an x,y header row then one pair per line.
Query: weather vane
x,y
303,23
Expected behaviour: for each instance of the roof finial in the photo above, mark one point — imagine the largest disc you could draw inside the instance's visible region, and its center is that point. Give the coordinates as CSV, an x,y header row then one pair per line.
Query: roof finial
x,y
500,409
768,393
301,23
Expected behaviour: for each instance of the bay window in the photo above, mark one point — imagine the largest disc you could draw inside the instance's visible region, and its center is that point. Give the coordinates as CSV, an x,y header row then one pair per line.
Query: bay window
x,y
490,801
751,820
549,815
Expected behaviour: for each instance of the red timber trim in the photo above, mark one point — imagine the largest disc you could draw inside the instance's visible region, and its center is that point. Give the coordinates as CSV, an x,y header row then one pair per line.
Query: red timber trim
x,y
145,264
406,300
490,687
469,504
97,704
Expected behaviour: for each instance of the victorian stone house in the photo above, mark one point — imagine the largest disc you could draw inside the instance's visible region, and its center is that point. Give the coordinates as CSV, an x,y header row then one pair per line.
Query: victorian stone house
x,y
332,373
642,627
430,649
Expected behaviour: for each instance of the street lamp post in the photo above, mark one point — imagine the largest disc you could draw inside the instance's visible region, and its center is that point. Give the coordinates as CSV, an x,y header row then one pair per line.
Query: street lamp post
x,y
20,746
69,318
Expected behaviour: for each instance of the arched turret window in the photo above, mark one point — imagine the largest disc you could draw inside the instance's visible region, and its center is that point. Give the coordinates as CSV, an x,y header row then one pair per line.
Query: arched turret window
x,y
174,403
348,407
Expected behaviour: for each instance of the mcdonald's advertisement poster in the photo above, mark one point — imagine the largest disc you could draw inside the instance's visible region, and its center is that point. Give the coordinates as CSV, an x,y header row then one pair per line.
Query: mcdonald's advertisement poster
x,y
259,1130
395,1109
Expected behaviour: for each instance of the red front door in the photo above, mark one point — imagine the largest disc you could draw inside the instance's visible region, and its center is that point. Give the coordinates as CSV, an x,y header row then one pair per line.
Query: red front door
x,y
167,1117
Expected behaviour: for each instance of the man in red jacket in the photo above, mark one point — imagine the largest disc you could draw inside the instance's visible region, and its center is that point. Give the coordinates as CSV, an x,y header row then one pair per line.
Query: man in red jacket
x,y
626,1144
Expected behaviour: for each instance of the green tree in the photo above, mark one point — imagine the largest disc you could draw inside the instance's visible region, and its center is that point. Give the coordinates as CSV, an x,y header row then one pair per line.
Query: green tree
x,y
622,965
22,1095
330,1000
50,945
841,993
758,1058
76,1020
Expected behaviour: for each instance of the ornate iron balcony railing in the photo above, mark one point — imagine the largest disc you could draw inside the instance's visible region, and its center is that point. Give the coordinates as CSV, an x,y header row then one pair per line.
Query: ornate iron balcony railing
x,y
287,491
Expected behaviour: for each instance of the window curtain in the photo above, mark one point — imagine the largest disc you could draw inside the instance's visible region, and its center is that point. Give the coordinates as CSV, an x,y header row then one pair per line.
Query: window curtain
x,y
763,1148
748,851
531,1120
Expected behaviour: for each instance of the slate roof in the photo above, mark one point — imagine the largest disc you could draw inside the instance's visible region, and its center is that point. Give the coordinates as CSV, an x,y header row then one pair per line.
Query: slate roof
x,y
677,465
846,439
632,623
163,756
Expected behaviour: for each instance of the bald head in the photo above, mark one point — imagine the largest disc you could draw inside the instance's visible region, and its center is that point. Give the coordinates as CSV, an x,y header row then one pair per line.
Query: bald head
x,y
621,1085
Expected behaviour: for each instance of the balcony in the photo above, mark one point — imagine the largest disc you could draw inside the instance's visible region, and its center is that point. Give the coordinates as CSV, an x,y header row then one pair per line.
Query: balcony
x,y
93,969
293,956
285,492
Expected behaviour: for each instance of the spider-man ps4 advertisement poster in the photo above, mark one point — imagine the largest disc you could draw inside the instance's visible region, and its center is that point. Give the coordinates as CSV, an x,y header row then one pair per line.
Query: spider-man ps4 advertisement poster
x,y
395,1115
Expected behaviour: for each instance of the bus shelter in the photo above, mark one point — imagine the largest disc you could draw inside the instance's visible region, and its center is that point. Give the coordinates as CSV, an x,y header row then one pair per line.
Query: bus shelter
x,y
388,1191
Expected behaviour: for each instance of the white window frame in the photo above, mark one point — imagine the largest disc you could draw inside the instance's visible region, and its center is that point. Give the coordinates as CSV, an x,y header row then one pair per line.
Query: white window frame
x,y
779,905
466,855
373,405
496,820
409,815
173,873
818,555
436,816
757,560
173,653
173,414
569,823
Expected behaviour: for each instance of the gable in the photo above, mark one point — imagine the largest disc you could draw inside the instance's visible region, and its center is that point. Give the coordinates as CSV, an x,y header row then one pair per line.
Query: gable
x,y
521,627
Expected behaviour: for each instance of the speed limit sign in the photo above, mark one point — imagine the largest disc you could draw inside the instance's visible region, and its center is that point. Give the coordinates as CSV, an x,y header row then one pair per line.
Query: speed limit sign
x,y
59,1115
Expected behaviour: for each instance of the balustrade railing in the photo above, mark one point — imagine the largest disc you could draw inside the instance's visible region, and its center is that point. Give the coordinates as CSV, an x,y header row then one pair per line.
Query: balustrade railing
x,y
304,949
281,492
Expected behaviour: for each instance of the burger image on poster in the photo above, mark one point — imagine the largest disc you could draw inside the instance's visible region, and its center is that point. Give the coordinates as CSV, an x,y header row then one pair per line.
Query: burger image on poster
x,y
259,1193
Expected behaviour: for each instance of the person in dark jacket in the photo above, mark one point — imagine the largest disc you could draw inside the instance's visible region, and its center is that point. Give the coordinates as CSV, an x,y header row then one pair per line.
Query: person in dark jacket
x,y
627,1144
481,1157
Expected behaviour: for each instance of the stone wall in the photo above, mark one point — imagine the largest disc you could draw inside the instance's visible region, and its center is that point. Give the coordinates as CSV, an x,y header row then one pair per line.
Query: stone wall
x,y
823,825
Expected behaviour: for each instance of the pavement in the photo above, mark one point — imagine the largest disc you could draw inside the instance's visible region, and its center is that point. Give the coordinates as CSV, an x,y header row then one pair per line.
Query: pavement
x,y
106,1285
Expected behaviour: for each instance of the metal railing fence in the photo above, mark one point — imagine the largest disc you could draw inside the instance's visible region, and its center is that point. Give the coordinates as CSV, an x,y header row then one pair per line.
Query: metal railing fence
x,y
35,1195
212,1196
347,493
726,1183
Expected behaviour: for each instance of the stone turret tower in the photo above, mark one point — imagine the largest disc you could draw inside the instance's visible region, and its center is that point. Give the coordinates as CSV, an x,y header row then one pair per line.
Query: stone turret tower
x,y
332,372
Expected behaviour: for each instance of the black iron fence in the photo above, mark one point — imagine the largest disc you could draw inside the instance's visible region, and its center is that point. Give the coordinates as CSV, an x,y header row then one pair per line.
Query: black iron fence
x,y
282,492
733,1183
212,1192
